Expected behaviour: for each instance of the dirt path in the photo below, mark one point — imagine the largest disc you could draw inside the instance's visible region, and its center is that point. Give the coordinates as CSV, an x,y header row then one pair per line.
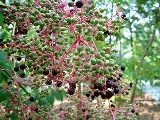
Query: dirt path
x,y
148,109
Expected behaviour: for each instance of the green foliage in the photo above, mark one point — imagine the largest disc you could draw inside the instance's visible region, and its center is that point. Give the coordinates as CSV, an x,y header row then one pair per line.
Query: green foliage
x,y
4,95
59,95
50,97
3,33
1,18
5,65
99,45
32,33
3,76
13,116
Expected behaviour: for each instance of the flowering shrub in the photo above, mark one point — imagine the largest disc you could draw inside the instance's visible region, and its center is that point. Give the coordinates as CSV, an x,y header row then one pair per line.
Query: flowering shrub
x,y
54,52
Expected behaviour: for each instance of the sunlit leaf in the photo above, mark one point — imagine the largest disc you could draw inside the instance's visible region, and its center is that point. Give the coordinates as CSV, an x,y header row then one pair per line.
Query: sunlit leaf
x,y
99,45
32,33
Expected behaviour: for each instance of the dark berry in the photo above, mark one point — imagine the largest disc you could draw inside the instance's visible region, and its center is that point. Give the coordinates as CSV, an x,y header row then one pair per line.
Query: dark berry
x,y
16,69
71,91
31,99
123,16
130,84
73,0
1,44
19,58
127,92
123,68
92,96
118,78
48,82
45,72
54,72
120,75
88,117
114,80
83,110
112,105
108,84
9,82
103,96
96,93
35,68
79,3
115,86
109,94
72,84
107,33
111,78
108,81
87,94
22,66
132,110
59,84
22,75
30,119
36,109
100,87
116,90
95,86
1,39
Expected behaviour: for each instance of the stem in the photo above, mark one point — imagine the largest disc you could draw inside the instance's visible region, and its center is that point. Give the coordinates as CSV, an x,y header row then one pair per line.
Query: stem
x,y
14,27
79,106
24,89
110,37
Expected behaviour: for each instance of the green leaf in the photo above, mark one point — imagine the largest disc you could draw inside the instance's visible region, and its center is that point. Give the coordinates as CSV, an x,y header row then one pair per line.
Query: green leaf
x,y
99,45
14,117
1,18
6,64
32,33
4,95
3,33
3,76
2,56
50,97
43,101
8,104
59,95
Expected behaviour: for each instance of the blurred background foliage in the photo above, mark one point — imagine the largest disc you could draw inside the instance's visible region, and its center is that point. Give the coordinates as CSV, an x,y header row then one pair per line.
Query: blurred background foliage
x,y
138,41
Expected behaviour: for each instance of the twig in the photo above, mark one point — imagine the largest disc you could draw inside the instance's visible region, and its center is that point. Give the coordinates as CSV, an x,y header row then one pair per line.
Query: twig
x,y
14,27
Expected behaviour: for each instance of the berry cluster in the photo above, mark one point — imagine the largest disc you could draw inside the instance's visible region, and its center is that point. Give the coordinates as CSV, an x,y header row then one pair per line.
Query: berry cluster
x,y
54,45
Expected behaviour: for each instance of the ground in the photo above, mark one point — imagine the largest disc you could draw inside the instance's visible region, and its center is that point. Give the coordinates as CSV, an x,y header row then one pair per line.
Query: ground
x,y
148,109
